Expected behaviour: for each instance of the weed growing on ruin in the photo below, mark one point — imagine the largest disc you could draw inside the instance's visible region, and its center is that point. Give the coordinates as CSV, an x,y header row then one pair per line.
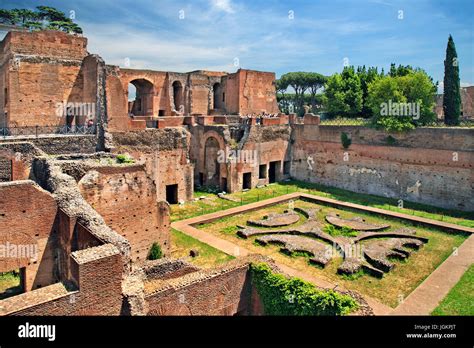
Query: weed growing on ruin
x,y
353,276
155,252
391,140
343,231
123,159
346,141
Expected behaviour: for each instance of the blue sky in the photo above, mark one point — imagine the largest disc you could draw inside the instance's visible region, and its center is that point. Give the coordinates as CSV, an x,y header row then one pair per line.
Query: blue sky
x,y
278,36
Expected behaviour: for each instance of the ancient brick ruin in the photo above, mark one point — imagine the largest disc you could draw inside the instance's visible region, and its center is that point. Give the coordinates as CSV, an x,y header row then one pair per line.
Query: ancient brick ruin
x,y
93,219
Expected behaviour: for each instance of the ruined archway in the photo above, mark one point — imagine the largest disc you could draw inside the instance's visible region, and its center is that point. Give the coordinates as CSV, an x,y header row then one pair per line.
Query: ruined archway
x,y
140,97
178,97
211,162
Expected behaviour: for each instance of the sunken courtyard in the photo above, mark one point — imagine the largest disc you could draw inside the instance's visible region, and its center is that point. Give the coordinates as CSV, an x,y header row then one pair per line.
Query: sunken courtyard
x,y
176,201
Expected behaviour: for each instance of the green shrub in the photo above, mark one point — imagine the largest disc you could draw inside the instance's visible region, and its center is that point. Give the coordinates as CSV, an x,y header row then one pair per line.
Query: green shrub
x,y
345,140
155,252
124,159
282,296
393,124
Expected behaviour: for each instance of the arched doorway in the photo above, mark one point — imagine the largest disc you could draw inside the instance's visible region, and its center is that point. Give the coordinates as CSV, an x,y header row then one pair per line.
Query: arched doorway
x,y
178,97
140,98
211,164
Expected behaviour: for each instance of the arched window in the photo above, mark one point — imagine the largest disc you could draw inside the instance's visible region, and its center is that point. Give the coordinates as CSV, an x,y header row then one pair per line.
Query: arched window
x,y
140,98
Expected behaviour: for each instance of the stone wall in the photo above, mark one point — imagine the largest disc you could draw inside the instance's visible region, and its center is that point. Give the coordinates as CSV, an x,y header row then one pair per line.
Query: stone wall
x,y
65,144
428,165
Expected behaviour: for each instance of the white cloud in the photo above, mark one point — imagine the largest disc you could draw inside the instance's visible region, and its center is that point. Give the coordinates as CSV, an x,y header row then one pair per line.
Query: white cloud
x,y
223,5
463,84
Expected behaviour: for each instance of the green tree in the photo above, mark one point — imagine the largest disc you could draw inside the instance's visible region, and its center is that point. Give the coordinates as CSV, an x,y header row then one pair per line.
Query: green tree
x,y
343,94
51,14
24,16
366,76
401,70
281,86
299,82
418,87
43,17
388,96
334,96
452,94
314,82
8,17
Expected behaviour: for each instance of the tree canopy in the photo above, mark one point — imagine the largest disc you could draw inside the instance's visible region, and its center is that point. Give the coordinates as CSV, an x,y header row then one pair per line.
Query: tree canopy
x,y
300,82
400,103
363,92
44,17
344,94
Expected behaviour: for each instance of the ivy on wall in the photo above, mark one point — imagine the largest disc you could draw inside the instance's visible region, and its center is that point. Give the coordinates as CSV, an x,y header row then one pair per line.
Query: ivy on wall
x,y
282,296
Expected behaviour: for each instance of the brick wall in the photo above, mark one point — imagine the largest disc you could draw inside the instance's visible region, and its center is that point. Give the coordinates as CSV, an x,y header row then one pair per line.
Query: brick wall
x,y
262,145
15,160
165,153
40,70
125,197
199,93
27,216
249,91
431,166
46,43
96,290
222,292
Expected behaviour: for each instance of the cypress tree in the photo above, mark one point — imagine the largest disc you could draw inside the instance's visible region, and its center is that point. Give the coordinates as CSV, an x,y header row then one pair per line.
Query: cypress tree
x,y
452,93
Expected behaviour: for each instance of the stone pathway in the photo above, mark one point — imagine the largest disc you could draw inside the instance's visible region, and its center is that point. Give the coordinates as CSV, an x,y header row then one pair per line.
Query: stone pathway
x,y
427,296
420,302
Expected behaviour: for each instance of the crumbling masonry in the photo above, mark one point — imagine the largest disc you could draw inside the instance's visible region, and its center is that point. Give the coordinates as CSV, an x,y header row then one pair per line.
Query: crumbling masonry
x,y
92,220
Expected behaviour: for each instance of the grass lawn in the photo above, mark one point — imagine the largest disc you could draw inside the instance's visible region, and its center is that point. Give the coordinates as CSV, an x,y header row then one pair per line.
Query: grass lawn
x,y
397,284
212,203
9,284
460,300
208,256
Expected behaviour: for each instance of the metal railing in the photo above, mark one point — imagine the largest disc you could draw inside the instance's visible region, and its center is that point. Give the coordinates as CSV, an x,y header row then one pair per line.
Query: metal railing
x,y
345,122
464,123
37,131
